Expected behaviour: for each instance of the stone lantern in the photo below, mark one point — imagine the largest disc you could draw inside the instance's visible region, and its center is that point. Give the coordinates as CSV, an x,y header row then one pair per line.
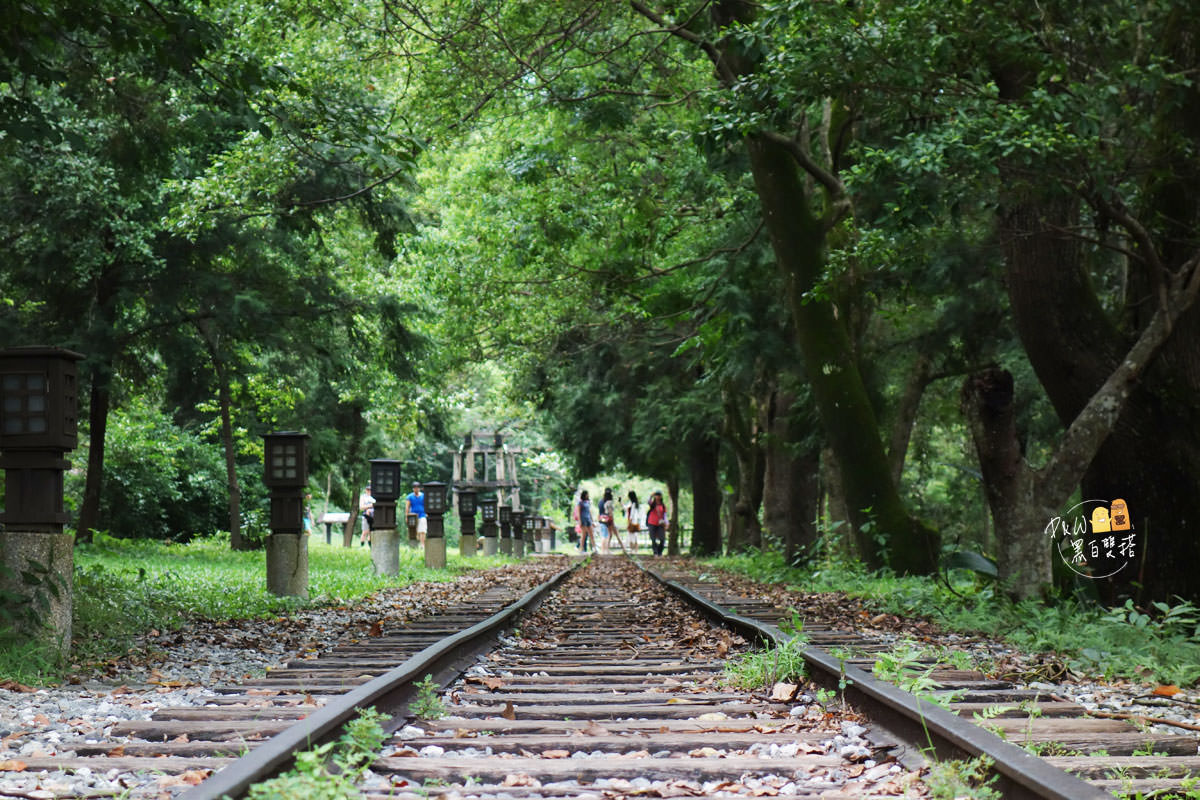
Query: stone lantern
x,y
466,518
435,537
39,392
488,509
385,541
505,515
285,472
518,534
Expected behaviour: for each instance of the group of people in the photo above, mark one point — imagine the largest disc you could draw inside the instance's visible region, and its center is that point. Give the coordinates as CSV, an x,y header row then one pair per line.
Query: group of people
x,y
596,525
414,505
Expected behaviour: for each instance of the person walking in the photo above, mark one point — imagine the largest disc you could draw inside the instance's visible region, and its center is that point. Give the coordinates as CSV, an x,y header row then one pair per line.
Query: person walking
x,y
414,503
656,523
584,510
366,507
608,530
633,520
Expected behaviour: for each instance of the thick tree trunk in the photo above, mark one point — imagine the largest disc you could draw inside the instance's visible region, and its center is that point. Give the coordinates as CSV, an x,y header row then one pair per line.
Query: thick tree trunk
x,y
886,532
790,485
838,527
1152,455
706,497
745,530
1024,551
99,401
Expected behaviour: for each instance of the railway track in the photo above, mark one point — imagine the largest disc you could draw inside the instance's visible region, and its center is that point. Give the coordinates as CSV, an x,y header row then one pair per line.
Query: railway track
x,y
615,689
611,687
1113,756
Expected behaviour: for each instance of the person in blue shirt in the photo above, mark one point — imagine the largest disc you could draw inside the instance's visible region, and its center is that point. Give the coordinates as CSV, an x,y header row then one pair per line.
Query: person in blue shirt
x,y
414,503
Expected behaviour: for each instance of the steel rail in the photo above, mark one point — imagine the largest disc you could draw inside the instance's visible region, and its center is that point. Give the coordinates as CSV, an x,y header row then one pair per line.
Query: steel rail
x,y
910,719
389,693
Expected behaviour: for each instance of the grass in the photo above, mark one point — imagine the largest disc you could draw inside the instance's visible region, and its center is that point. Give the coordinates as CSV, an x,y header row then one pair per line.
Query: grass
x,y
1159,644
762,669
126,587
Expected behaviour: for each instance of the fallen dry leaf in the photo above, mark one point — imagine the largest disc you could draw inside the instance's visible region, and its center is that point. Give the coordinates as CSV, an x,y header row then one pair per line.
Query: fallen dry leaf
x,y
594,729
783,692
521,779
13,686
117,751
194,777
509,712
1168,690
376,628
12,765
181,739
556,754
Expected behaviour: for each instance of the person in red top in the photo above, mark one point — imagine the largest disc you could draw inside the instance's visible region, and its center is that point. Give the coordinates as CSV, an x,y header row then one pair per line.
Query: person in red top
x,y
656,523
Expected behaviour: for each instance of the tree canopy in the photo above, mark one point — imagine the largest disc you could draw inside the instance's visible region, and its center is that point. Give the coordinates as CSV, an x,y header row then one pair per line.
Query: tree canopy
x,y
858,274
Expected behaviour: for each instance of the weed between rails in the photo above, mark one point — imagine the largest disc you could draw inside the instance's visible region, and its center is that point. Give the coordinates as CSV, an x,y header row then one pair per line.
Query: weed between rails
x,y
762,669
330,771
952,779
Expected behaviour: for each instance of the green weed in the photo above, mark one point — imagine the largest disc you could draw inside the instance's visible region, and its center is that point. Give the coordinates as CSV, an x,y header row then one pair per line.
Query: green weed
x,y
332,770
427,704
950,780
760,669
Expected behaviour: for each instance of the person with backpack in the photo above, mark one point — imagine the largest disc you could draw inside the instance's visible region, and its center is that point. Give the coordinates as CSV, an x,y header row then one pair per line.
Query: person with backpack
x,y
656,523
633,520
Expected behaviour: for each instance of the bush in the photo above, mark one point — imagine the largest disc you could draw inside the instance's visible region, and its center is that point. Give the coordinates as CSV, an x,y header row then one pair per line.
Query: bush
x,y
161,481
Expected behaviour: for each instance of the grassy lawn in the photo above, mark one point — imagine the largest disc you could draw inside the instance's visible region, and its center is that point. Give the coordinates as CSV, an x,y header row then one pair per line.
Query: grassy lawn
x,y
126,587
1160,643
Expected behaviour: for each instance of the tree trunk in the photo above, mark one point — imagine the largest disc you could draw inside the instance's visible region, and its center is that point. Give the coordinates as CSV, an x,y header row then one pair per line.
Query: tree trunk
x,y
673,516
790,486
1024,551
838,528
886,532
1152,455
225,405
225,400
906,414
99,401
706,497
744,529
798,243
358,433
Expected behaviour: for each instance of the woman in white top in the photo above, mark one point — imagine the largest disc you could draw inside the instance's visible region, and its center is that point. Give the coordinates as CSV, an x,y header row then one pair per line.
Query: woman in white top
x,y
634,520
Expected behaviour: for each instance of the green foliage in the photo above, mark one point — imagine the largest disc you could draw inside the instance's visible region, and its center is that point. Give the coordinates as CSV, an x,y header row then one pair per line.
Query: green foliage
x,y
950,780
427,704
330,771
124,588
762,669
902,666
1122,643
162,481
